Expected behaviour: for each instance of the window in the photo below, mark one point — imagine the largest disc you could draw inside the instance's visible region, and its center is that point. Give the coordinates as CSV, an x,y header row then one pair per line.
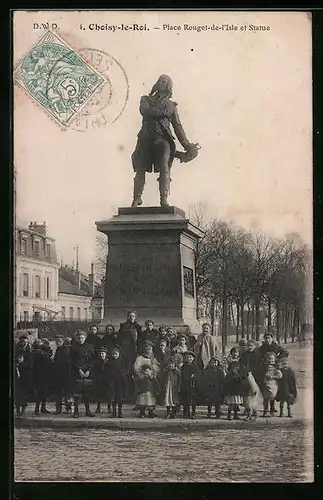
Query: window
x,y
47,288
37,246
78,313
23,246
63,311
25,313
37,285
85,314
48,250
37,316
25,284
71,313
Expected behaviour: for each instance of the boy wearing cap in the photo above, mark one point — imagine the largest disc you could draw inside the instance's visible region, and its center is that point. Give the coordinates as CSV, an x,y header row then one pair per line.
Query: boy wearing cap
x,y
287,390
213,378
100,377
189,386
117,381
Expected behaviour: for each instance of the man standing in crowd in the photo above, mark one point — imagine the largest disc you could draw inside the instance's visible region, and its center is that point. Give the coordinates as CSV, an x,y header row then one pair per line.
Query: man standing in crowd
x,y
206,347
128,336
269,346
23,347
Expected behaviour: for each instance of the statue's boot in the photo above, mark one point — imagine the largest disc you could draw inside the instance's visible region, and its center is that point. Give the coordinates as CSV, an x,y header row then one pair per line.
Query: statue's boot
x,y
138,188
164,185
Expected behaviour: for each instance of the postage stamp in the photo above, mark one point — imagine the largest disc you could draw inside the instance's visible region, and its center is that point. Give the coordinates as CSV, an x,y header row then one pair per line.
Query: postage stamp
x,y
57,77
109,102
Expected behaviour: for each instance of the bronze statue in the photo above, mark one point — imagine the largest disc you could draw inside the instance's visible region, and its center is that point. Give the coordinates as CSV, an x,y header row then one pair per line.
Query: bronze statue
x,y
155,149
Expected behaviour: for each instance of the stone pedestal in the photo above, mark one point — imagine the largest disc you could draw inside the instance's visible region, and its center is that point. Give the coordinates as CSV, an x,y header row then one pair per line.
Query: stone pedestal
x,y
150,266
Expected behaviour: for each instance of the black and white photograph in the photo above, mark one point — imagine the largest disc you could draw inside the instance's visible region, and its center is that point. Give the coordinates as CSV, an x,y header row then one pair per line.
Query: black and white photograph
x,y
163,247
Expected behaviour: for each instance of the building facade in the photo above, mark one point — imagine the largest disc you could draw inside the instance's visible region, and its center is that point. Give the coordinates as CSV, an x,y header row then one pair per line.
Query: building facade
x,y
36,274
45,290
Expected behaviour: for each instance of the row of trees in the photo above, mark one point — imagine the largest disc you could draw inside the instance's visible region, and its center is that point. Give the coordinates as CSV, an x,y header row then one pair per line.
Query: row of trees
x,y
239,270
241,273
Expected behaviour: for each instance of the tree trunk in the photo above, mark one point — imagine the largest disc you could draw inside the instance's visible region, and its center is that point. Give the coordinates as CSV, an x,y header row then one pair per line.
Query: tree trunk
x,y
285,326
298,323
269,315
277,322
294,332
212,314
248,322
238,317
257,307
253,323
224,322
242,320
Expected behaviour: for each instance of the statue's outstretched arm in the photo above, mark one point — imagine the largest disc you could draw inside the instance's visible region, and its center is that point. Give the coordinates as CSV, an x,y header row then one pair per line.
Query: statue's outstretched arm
x,y
149,111
178,129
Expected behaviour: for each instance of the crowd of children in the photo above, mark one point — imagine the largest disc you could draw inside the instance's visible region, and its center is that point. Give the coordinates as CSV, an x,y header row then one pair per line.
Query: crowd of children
x,y
158,367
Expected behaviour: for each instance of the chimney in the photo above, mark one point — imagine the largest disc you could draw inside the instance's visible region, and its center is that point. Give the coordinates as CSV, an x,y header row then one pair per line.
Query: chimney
x,y
78,278
91,280
38,227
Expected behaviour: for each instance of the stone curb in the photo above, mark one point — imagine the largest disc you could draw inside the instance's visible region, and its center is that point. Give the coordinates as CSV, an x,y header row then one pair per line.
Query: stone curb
x,y
158,424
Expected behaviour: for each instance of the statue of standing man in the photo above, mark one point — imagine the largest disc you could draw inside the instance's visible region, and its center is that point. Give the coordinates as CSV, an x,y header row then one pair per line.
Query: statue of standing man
x,y
155,149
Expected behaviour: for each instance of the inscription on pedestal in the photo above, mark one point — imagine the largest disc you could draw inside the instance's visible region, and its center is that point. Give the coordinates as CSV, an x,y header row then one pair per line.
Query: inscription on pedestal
x,y
139,277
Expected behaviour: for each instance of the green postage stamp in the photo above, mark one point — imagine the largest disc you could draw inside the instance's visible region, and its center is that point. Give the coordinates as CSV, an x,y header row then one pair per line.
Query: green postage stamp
x,y
57,78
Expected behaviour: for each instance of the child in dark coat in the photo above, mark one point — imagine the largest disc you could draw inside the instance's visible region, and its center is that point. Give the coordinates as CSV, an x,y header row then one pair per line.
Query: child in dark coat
x,y
170,385
117,381
213,386
81,356
42,373
287,390
190,383
100,377
233,389
21,388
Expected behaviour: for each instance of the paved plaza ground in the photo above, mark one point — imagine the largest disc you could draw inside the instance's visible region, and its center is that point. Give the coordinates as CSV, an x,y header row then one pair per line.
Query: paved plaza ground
x,y
275,449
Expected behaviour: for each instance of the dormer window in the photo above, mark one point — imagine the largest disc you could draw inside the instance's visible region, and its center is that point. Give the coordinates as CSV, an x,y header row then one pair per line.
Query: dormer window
x,y
23,246
36,247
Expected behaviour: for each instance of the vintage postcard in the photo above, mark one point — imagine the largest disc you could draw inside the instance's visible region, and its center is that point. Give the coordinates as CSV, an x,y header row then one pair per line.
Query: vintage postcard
x,y
163,322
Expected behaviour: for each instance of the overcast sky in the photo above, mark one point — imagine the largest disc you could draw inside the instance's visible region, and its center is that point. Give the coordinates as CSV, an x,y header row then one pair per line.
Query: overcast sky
x,y
246,97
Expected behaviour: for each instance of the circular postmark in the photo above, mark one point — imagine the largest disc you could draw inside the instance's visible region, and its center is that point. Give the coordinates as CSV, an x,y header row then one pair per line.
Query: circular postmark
x,y
109,101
